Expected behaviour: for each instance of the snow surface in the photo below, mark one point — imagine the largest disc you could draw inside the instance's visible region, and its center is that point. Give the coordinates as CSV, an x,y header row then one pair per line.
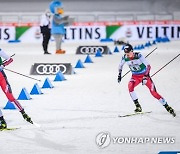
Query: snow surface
x,y
75,111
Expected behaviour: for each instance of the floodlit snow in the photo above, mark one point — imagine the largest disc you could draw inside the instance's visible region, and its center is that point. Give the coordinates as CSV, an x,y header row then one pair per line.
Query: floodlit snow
x,y
75,111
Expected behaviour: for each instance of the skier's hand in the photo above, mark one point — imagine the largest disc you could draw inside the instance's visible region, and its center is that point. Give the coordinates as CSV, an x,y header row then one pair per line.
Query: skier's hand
x,y
119,77
144,80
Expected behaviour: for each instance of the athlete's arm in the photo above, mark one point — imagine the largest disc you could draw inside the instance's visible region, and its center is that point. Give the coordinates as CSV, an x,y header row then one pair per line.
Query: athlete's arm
x,y
145,62
121,65
4,55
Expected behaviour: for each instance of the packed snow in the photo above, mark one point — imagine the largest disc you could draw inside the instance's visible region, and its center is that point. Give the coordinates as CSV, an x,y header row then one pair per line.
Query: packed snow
x,y
74,113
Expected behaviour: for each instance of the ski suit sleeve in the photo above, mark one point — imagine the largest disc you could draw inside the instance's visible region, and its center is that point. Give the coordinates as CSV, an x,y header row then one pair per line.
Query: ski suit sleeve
x,y
145,62
4,55
121,64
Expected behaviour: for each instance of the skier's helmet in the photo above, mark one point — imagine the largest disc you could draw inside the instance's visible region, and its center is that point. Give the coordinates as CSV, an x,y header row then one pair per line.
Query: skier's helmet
x,y
128,48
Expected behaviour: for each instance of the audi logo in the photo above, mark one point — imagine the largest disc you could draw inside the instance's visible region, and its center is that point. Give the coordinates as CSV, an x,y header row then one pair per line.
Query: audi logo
x,y
50,69
92,50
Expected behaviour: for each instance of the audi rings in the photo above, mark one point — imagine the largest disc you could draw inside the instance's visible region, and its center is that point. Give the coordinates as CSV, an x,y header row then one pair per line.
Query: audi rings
x,y
91,49
50,69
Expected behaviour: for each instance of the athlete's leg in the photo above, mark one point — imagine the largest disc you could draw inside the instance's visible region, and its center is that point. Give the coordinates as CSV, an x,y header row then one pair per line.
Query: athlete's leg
x,y
154,93
6,88
8,92
134,81
2,121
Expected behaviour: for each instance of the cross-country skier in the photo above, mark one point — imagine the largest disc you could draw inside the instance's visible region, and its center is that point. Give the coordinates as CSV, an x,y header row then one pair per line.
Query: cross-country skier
x,y
6,88
140,69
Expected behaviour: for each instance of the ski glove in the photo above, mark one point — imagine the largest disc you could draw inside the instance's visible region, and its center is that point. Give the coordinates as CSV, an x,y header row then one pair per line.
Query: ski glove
x,y
119,77
144,80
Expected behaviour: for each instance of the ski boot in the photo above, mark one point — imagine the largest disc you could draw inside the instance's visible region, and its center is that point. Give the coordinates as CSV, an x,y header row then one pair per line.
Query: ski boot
x,y
26,117
138,106
3,124
170,110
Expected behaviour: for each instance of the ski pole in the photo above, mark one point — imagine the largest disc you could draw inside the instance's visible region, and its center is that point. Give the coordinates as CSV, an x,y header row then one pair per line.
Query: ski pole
x,y
12,55
165,65
145,57
21,74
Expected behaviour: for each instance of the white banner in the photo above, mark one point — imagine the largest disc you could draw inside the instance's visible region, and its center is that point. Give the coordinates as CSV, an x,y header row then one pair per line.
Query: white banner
x,y
7,33
147,32
90,31
85,33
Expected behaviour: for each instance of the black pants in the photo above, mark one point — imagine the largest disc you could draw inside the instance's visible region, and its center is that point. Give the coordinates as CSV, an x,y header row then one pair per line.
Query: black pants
x,y
46,38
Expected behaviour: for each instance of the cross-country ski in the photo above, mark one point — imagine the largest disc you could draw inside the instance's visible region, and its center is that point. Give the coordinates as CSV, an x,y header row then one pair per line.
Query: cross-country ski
x,y
10,129
133,114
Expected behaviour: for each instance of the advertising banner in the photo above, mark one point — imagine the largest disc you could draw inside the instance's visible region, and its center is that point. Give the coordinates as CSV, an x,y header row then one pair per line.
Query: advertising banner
x,y
144,32
7,33
95,31
92,49
51,68
85,33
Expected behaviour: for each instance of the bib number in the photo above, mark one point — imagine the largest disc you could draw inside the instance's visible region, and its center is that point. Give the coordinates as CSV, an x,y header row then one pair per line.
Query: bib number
x,y
135,68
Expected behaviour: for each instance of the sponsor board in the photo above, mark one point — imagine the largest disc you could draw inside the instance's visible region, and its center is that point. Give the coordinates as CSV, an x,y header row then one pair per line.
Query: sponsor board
x,y
85,33
144,32
91,49
51,68
95,31
7,33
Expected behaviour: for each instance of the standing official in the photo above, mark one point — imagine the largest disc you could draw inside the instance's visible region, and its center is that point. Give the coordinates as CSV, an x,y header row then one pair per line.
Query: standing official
x,y
45,26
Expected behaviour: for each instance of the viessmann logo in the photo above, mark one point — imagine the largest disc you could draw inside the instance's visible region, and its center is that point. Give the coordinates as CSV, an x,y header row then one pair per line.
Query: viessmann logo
x,y
51,68
92,49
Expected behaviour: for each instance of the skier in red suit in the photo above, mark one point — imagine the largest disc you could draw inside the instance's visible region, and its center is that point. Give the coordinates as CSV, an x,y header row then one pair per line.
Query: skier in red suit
x,y
6,88
140,69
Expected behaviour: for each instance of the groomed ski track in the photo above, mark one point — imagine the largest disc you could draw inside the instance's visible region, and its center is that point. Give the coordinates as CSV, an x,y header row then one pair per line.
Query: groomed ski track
x,y
75,111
